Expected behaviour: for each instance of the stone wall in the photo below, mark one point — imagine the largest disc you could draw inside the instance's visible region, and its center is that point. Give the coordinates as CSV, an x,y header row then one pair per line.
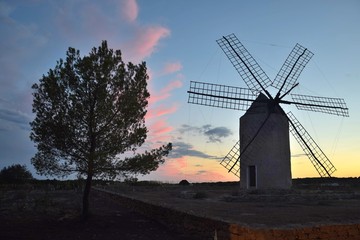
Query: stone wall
x,y
326,232
206,228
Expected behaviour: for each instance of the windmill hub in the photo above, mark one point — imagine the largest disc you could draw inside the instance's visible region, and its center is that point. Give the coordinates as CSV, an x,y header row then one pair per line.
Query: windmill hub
x,y
262,104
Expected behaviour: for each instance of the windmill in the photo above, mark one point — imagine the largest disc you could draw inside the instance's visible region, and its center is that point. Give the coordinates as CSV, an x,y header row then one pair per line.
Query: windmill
x,y
261,158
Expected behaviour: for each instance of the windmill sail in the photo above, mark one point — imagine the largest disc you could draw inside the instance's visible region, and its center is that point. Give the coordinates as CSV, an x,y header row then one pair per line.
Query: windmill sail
x,y
335,106
317,157
215,95
231,160
249,70
292,68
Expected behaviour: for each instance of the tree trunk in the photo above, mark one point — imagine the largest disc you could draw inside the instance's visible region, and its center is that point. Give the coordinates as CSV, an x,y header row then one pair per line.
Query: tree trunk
x,y
85,208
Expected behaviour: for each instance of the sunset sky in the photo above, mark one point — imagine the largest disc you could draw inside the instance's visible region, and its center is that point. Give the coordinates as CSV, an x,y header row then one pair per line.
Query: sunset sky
x,y
177,39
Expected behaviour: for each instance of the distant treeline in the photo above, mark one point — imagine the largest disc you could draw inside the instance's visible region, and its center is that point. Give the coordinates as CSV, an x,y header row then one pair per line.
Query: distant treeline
x,y
298,183
353,182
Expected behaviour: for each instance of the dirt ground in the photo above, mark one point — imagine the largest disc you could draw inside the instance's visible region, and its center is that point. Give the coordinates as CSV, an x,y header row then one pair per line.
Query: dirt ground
x,y
259,209
55,215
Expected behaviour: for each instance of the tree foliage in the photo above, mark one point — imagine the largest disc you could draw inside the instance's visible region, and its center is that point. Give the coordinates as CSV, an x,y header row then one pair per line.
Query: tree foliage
x,y
90,111
15,174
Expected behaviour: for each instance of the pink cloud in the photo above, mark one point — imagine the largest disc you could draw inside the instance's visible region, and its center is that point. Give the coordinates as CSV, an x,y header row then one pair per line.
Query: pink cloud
x,y
176,169
137,41
145,41
129,10
165,92
160,127
171,68
161,111
172,85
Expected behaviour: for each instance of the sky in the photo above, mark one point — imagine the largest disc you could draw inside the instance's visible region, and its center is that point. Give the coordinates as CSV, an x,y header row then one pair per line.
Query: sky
x,y
177,39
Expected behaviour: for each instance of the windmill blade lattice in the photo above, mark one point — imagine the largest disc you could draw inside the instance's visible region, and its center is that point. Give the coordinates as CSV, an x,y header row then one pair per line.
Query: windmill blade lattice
x,y
317,157
250,71
292,68
221,96
335,106
231,160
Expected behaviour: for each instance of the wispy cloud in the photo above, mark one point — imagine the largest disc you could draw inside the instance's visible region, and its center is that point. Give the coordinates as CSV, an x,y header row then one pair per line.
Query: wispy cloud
x,y
171,67
177,169
15,118
145,41
181,149
217,133
18,42
297,155
214,134
81,25
129,10
161,111
165,92
79,22
160,127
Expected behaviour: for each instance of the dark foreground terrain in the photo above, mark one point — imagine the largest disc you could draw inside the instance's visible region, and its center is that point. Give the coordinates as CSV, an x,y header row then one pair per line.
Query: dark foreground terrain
x,y
51,209
311,202
54,215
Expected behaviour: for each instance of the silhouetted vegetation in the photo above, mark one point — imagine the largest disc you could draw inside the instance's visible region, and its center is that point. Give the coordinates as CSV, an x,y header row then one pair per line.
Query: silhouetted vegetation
x,y
88,111
15,174
184,182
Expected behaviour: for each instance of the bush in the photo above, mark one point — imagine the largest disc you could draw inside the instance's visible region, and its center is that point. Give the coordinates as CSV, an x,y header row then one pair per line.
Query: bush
x,y
15,174
184,182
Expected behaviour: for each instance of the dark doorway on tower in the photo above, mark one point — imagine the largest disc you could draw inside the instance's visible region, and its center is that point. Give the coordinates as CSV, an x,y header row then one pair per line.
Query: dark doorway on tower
x,y
252,176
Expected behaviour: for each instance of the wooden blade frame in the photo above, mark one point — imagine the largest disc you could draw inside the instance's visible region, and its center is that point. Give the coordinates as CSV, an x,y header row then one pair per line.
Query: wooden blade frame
x,y
231,160
335,106
221,96
249,70
291,69
317,157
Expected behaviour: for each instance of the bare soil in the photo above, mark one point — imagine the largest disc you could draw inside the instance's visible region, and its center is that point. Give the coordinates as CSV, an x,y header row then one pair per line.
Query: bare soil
x,y
55,215
259,209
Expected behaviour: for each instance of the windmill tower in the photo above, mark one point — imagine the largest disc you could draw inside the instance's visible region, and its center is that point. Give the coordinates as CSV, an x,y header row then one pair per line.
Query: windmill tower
x,y
261,158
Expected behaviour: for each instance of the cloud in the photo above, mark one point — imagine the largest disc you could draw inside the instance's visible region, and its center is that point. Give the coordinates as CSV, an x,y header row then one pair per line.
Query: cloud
x,y
129,10
161,111
5,10
145,41
174,170
165,92
201,172
181,149
79,22
82,25
171,68
214,134
160,127
298,155
15,117
19,41
159,132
